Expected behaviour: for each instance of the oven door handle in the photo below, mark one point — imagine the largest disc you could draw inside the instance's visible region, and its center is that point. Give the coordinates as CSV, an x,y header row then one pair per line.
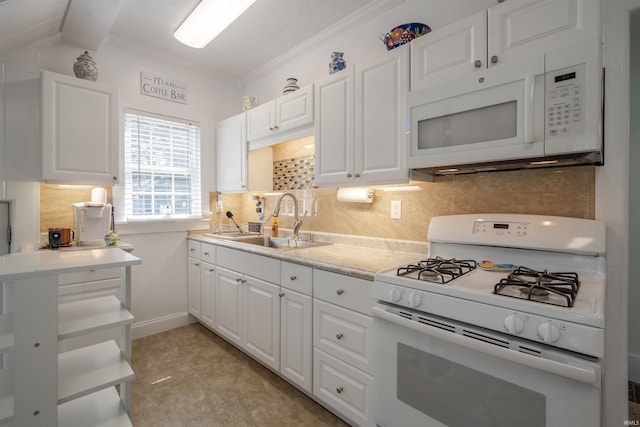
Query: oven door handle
x,y
584,375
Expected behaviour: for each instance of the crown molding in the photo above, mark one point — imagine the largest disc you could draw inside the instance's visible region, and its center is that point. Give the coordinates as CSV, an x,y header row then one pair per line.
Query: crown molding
x,y
364,14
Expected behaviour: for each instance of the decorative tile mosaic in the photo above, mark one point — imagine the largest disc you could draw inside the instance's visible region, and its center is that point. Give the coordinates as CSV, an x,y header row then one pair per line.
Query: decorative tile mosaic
x,y
293,174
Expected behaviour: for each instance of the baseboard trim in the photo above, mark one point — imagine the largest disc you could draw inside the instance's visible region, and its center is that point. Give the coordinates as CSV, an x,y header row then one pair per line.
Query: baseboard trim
x,y
160,324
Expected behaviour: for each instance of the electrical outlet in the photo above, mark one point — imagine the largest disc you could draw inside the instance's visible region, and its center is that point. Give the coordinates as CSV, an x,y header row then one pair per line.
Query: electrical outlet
x,y
396,209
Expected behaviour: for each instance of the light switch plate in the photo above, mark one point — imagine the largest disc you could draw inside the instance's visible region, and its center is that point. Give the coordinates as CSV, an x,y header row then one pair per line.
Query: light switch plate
x,y
396,209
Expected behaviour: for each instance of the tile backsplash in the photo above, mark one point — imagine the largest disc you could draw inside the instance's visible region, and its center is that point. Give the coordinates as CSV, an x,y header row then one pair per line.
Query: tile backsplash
x,y
566,191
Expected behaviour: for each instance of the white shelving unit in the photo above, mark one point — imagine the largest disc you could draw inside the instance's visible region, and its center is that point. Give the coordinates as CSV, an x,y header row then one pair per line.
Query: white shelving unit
x,y
72,388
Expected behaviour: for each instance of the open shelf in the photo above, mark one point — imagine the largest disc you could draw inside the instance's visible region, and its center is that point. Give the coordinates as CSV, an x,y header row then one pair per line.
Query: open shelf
x,y
82,317
100,409
6,395
89,369
6,333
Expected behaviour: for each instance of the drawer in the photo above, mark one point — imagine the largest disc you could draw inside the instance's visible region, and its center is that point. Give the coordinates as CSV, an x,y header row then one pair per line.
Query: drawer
x,y
194,248
346,291
89,275
342,387
258,266
296,277
208,253
344,334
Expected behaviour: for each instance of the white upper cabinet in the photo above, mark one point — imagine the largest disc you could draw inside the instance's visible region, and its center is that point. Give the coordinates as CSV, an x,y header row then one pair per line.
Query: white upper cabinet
x,y
334,129
284,113
526,27
360,119
450,51
502,34
80,130
231,155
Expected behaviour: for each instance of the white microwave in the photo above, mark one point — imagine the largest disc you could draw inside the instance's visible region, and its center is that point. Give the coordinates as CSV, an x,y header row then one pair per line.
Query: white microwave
x,y
544,109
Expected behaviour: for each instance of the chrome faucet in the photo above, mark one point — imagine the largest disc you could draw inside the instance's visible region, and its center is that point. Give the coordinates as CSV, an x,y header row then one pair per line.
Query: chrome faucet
x,y
297,223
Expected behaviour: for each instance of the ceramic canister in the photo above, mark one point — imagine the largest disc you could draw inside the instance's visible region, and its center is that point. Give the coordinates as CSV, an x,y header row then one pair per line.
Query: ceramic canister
x,y
85,67
292,85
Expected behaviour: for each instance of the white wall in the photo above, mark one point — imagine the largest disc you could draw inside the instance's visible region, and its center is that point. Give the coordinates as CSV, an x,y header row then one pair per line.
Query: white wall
x,y
159,285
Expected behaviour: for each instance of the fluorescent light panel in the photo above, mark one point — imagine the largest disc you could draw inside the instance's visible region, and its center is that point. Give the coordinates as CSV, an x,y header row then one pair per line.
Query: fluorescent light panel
x,y
208,20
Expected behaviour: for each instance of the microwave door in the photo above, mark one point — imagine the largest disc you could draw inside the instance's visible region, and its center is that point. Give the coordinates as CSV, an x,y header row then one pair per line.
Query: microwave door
x,y
499,119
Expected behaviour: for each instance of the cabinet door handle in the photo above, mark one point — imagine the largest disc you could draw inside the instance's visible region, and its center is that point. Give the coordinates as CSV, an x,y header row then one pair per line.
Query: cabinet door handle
x,y
276,127
211,270
477,63
292,278
357,175
494,59
192,249
197,264
340,291
114,178
271,129
239,280
206,253
339,335
339,389
281,294
349,175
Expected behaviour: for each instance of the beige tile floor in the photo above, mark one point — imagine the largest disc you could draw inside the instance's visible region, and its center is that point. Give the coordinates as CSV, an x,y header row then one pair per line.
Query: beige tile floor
x,y
190,377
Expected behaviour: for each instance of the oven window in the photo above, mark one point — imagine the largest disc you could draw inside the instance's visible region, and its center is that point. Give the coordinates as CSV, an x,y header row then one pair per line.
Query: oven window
x,y
456,395
491,123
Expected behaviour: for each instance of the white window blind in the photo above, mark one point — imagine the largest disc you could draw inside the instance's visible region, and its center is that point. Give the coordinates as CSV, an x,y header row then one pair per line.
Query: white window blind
x,y
162,166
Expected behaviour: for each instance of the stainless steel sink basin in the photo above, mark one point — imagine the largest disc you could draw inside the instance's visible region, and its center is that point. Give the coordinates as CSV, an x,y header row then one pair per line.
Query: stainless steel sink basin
x,y
280,242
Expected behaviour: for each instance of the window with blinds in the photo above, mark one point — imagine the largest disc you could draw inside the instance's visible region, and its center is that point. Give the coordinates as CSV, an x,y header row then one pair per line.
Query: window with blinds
x,y
162,166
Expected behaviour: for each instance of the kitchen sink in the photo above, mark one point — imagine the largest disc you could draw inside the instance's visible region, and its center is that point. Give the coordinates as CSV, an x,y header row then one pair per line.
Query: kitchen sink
x,y
230,234
280,242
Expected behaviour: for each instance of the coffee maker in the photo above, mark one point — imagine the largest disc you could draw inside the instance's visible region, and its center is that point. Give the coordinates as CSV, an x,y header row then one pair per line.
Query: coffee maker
x,y
92,219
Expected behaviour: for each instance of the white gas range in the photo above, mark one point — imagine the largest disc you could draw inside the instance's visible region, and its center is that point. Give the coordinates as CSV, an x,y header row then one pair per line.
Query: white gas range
x,y
510,303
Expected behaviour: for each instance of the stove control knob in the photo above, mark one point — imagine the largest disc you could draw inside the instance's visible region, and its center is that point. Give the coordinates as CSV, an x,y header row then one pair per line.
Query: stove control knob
x,y
548,332
395,295
513,324
414,300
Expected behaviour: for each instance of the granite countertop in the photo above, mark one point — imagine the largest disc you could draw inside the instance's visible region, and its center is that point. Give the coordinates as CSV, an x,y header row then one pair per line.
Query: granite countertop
x,y
357,256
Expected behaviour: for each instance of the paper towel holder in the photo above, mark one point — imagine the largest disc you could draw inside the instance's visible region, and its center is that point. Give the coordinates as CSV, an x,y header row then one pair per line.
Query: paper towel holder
x,y
356,194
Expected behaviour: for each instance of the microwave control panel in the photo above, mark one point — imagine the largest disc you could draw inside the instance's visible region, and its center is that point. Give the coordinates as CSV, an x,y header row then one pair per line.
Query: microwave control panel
x,y
565,101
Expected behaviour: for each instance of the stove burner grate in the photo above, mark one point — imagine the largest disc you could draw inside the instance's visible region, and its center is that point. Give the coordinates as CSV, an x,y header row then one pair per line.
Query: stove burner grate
x,y
437,269
540,286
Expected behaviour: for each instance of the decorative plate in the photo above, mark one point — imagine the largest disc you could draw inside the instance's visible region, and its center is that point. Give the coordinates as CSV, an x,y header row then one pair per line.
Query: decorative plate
x,y
404,34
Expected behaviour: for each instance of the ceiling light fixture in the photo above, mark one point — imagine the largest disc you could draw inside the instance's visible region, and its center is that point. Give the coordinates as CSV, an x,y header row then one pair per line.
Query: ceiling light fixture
x,y
208,20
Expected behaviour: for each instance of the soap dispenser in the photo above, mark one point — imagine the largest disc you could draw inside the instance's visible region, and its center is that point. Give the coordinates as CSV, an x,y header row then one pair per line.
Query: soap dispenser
x,y
274,227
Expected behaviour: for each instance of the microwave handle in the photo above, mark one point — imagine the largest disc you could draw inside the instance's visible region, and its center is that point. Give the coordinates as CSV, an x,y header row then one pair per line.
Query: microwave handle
x,y
529,99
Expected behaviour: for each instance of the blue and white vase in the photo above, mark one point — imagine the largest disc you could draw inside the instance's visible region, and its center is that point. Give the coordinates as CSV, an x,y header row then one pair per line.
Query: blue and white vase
x,y
337,62
85,67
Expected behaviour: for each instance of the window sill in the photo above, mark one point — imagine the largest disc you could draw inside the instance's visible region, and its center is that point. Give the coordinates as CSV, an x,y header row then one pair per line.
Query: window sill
x,y
161,225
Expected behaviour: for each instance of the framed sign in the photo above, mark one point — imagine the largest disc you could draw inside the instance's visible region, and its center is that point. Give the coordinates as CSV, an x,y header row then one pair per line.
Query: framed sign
x,y
161,87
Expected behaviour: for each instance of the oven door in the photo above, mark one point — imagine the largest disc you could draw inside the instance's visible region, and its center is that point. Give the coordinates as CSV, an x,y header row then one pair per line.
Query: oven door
x,y
493,115
432,375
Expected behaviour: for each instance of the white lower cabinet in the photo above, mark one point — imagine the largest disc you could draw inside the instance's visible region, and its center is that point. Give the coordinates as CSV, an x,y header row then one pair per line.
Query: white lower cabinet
x,y
296,319
247,308
343,362
201,281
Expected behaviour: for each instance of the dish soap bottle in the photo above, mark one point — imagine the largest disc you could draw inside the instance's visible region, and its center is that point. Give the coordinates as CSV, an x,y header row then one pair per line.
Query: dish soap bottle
x,y
274,227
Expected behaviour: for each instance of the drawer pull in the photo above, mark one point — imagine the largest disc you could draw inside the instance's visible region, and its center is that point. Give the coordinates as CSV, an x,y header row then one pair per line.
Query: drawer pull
x,y
339,389
211,270
340,291
206,254
192,249
339,335
197,264
292,278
